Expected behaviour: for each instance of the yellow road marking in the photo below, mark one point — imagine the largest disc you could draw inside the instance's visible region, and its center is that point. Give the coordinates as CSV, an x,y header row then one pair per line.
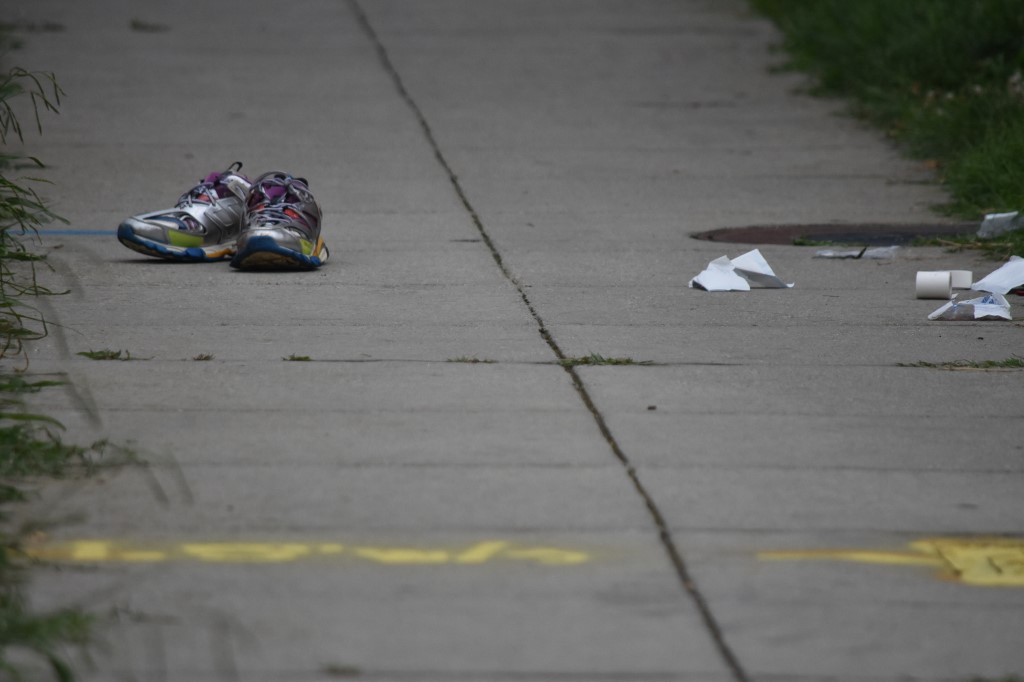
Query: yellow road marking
x,y
330,548
549,556
98,551
988,562
90,551
245,552
143,556
478,554
398,555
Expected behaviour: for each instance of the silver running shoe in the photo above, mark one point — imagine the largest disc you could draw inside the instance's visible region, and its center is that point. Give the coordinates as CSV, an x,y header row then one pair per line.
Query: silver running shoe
x,y
202,226
282,226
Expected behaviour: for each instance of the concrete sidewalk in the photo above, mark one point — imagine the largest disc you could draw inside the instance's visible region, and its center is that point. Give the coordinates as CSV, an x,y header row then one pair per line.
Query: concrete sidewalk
x,y
770,496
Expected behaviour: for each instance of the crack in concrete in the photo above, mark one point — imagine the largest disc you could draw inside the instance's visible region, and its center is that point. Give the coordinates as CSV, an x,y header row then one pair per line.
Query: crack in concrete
x,y
665,535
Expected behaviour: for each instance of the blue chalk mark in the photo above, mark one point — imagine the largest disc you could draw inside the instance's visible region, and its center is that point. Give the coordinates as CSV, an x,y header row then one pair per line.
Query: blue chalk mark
x,y
75,233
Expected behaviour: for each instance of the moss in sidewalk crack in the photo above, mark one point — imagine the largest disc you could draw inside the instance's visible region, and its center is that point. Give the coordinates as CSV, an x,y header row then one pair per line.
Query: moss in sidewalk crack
x,y
106,354
598,359
471,360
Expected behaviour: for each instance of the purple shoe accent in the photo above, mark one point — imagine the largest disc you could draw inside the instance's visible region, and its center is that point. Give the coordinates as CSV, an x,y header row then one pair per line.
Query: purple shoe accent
x,y
275,192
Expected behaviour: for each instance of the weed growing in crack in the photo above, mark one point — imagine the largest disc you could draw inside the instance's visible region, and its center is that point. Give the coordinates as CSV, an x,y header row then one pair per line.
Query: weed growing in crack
x,y
597,359
106,354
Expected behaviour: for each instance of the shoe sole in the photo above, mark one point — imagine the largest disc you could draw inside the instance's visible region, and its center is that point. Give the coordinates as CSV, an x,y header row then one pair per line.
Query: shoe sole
x,y
263,253
192,254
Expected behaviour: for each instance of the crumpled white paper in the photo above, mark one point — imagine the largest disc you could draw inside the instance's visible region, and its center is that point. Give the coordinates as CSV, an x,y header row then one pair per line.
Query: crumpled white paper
x,y
737,274
1009,276
988,307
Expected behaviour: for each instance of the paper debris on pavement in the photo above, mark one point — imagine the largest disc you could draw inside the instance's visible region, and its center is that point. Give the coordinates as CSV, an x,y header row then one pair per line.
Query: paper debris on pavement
x,y
996,224
720,275
1009,276
988,307
874,253
737,274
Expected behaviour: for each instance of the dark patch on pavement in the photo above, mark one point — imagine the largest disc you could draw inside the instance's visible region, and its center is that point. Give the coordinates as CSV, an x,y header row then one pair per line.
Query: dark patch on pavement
x,y
866,234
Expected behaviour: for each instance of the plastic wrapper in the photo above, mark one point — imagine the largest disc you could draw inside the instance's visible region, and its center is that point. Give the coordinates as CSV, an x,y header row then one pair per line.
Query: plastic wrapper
x,y
988,307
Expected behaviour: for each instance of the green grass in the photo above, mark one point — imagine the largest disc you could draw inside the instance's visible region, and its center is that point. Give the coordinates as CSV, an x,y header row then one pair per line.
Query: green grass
x,y
297,358
22,211
470,360
203,357
997,248
30,444
30,448
1009,363
597,359
42,634
942,77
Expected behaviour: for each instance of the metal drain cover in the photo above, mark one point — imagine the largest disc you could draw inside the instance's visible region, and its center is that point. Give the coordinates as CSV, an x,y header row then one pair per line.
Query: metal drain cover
x,y
870,234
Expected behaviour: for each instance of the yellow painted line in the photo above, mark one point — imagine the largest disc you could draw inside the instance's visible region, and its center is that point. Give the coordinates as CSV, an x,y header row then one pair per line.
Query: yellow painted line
x,y
481,552
90,551
113,551
330,548
860,556
398,555
987,562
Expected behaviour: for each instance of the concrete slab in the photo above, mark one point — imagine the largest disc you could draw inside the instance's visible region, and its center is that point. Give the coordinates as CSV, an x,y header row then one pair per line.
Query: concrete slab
x,y
382,436
329,388
589,139
791,603
882,392
807,499
288,496
178,619
837,345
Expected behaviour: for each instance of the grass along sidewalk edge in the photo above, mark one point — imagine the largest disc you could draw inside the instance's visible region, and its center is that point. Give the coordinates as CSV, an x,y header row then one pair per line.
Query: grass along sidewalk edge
x,y
943,78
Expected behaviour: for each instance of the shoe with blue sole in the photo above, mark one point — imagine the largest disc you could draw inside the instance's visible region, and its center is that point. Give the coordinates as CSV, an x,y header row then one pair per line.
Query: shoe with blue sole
x,y
203,226
281,230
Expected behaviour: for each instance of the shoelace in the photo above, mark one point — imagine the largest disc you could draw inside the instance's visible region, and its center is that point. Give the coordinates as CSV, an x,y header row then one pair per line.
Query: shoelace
x,y
209,189
278,207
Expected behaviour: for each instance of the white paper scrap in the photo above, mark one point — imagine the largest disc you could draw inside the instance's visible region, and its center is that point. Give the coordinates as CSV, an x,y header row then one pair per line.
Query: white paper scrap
x,y
720,275
1009,276
988,307
737,274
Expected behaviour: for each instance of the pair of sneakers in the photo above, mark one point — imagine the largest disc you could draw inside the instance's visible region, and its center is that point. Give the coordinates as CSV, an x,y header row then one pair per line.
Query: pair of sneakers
x,y
270,223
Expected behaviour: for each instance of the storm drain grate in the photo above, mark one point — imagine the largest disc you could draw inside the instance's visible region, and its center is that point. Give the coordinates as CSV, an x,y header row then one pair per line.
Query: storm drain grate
x,y
870,234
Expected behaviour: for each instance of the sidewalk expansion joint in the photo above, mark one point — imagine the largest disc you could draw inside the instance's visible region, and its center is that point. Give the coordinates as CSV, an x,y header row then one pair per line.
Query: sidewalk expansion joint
x,y
664,534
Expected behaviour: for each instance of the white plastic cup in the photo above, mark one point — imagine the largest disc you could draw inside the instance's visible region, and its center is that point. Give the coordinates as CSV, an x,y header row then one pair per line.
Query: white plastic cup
x,y
934,284
962,279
